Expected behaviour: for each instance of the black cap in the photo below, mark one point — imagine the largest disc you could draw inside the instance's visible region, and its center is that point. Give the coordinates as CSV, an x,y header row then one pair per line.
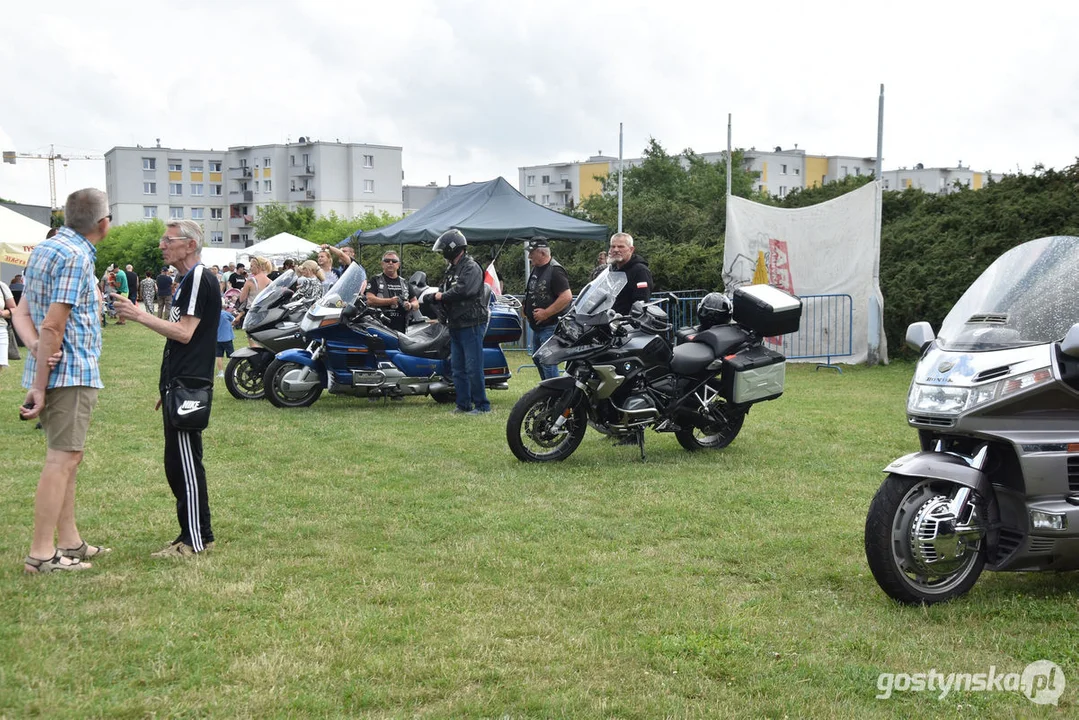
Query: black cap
x,y
537,243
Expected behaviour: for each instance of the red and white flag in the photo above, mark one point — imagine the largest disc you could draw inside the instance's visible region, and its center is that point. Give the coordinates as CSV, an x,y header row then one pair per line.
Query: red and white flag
x,y
491,278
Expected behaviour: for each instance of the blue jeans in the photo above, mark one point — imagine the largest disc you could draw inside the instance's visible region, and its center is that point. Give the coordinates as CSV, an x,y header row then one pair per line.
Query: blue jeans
x,y
540,336
466,356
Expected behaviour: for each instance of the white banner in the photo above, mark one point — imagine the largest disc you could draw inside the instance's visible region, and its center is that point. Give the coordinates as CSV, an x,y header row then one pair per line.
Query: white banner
x,y
827,254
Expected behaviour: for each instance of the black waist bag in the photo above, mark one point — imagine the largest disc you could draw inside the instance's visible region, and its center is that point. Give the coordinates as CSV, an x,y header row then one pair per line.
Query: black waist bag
x,y
188,401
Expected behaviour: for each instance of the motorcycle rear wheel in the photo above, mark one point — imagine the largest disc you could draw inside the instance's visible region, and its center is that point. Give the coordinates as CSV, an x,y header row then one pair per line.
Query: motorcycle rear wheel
x,y
889,550
243,381
275,393
729,422
529,432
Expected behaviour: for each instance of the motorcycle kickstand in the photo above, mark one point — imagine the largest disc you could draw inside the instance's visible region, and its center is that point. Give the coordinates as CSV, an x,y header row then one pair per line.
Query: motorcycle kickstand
x,y
640,442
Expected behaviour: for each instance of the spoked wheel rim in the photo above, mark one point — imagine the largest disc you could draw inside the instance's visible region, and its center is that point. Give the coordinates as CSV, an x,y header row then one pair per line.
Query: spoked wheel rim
x,y
243,381
531,429
932,568
537,433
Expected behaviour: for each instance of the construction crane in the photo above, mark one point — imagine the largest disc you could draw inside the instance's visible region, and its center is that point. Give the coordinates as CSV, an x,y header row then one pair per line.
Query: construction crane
x,y
10,157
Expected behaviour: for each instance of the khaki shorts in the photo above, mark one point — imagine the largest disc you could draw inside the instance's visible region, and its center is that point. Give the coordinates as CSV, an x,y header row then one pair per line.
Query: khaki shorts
x,y
66,417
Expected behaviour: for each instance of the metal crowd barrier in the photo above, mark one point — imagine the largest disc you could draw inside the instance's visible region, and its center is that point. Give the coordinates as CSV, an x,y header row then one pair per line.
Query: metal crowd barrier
x,y
826,330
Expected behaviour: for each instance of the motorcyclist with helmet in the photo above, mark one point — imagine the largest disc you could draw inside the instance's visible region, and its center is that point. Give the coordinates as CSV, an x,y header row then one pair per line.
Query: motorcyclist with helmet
x,y
462,297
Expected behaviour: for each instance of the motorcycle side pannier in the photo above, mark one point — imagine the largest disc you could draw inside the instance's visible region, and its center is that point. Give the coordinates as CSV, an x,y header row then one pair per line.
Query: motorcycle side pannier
x,y
754,374
767,310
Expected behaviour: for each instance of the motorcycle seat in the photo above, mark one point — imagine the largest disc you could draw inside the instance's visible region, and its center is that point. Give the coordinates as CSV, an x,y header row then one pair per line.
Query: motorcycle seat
x,y
690,358
722,339
425,342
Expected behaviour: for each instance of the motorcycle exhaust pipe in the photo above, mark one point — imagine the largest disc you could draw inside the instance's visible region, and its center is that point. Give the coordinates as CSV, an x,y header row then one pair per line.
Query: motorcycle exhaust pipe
x,y
438,387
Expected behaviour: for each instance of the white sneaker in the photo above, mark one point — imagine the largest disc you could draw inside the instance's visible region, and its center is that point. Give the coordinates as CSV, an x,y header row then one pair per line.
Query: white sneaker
x,y
221,374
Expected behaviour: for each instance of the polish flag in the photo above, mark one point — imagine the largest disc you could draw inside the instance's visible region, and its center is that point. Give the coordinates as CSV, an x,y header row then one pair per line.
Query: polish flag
x,y
491,278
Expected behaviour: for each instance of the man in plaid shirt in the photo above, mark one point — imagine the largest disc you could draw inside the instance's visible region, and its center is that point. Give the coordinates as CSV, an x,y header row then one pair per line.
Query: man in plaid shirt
x,y
60,313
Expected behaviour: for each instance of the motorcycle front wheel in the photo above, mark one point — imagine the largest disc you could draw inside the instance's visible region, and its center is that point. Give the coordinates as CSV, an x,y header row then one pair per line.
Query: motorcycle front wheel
x,y
273,381
531,432
912,544
243,381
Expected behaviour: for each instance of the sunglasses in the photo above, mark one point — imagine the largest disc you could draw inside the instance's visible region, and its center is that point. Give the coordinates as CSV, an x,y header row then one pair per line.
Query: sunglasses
x,y
390,260
107,217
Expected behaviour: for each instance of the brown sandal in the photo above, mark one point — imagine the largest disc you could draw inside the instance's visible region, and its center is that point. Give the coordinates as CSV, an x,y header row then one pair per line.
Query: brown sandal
x,y
53,564
84,551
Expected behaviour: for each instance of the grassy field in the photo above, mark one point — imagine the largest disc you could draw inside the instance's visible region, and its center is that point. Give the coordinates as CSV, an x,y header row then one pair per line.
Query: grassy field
x,y
392,560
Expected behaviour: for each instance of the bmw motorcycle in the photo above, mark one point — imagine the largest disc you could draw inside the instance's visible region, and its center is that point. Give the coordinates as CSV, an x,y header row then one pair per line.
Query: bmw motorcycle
x,y
995,401
273,323
624,374
351,351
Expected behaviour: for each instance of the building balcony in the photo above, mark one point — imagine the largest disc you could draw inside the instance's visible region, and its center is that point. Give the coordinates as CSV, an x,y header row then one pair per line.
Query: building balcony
x,y
301,195
561,186
240,221
239,173
302,170
236,196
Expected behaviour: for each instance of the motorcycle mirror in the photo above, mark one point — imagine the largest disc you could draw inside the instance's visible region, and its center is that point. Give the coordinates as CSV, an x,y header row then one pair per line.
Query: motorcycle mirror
x,y
919,335
350,311
1070,344
418,279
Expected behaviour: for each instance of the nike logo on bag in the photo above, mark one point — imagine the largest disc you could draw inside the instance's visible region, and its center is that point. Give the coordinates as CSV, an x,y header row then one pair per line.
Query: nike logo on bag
x,y
189,407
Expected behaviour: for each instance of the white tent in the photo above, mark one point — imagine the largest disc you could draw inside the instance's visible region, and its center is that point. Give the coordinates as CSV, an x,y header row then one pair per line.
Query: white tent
x,y
18,236
279,247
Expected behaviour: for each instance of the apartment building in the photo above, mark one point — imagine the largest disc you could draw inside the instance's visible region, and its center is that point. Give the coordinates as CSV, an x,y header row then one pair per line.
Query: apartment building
x,y
224,189
779,172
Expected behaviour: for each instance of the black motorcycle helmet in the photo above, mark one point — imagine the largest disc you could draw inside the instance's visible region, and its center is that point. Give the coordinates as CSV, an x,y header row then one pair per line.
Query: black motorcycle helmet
x,y
714,309
450,243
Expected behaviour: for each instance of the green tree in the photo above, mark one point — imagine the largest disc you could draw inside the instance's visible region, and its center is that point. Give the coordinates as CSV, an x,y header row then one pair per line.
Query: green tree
x,y
135,243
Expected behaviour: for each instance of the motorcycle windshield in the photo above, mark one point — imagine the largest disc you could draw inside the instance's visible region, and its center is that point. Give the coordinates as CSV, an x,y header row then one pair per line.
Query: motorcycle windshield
x,y
598,296
346,289
268,298
1026,297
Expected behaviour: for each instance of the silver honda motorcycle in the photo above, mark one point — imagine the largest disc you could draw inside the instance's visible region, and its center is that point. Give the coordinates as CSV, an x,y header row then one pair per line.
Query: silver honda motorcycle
x,y
995,401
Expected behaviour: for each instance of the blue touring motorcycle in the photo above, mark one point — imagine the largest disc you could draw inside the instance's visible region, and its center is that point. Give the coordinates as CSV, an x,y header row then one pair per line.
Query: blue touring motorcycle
x,y
351,351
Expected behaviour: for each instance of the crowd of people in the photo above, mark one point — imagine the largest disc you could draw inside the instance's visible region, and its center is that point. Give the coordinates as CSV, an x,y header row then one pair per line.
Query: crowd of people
x,y
58,308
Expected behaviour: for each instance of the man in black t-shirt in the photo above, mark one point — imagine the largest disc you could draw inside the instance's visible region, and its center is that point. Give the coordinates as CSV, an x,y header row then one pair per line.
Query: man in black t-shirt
x,y
238,279
547,295
389,292
191,341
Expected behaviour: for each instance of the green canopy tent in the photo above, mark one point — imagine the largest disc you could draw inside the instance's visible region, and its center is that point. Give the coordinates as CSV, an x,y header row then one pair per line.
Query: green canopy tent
x,y
486,212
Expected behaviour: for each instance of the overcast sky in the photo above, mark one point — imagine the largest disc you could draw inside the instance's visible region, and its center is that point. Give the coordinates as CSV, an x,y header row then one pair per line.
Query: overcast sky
x,y
473,90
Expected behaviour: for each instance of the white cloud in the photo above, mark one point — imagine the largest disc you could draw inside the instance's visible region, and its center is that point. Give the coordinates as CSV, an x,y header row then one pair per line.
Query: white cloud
x,y
476,88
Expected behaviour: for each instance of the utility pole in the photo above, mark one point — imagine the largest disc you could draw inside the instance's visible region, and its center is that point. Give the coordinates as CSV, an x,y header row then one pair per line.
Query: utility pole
x,y
10,156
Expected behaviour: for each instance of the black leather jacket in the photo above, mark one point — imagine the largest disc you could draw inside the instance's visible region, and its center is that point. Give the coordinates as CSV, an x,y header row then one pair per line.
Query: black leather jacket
x,y
462,294
638,285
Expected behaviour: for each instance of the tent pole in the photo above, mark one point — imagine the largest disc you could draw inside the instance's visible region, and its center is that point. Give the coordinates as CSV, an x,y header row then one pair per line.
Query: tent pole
x,y
620,172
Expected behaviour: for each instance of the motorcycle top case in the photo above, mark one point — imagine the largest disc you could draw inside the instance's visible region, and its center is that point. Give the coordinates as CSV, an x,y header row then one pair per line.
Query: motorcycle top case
x,y
503,327
767,310
753,375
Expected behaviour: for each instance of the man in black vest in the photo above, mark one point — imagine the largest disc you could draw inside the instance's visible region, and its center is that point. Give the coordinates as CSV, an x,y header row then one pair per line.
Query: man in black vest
x,y
388,292
547,296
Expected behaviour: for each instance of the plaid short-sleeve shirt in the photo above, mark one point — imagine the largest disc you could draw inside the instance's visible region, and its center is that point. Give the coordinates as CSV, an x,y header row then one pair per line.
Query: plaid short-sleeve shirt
x,y
61,270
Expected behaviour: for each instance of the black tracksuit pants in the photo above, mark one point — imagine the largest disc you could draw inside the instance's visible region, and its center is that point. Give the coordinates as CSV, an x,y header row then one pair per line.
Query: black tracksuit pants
x,y
187,478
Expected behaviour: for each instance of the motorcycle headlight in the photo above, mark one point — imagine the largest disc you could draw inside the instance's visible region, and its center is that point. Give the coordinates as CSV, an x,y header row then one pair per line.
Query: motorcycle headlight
x,y
944,400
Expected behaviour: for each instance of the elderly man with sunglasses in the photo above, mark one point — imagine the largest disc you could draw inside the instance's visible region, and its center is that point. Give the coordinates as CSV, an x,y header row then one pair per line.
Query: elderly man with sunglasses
x,y
389,292
191,343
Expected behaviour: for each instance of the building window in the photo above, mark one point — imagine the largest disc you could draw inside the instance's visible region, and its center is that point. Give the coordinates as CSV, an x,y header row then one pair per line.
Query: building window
x,y
215,190
782,169
268,186
176,188
265,162
234,238
546,179
532,198
243,186
292,160
176,166
197,213
368,185
546,200
887,184
857,170
149,212
256,186
196,189
530,180
216,237
216,213
782,191
244,237
797,171
196,166
215,166
176,213
149,188
149,163
368,161
842,171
